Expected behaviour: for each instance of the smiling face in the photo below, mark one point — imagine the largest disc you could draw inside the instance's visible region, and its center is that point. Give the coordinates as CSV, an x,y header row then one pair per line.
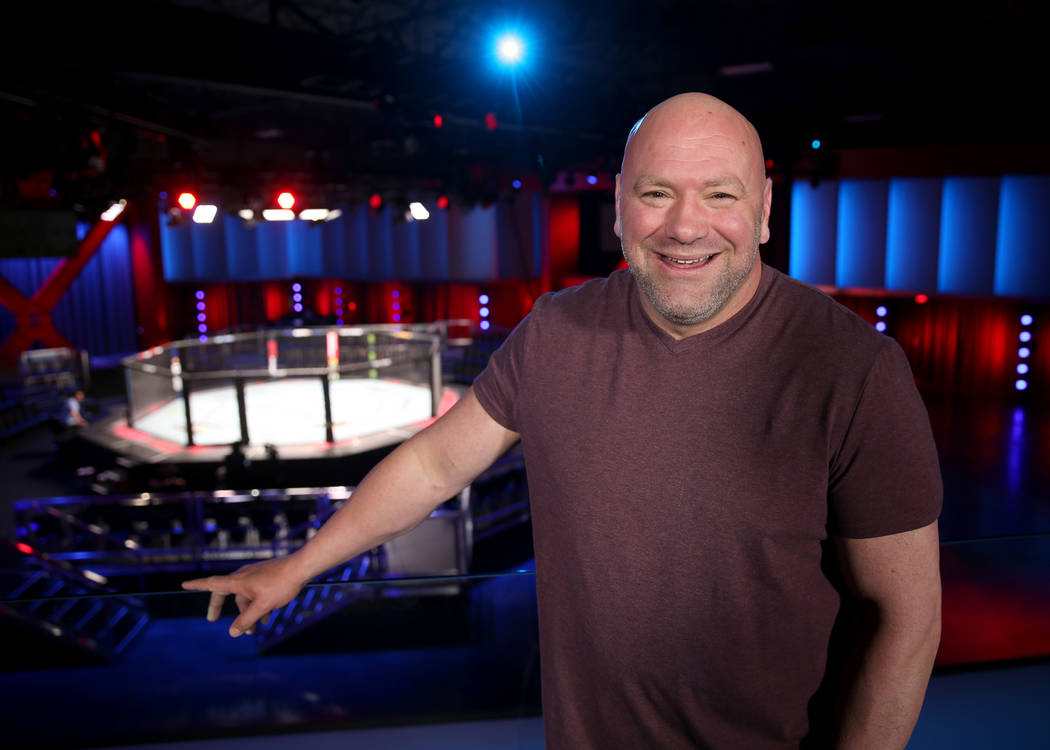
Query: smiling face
x,y
692,207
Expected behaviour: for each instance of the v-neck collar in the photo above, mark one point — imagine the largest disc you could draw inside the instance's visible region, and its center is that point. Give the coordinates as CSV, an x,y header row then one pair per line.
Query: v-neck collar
x,y
707,338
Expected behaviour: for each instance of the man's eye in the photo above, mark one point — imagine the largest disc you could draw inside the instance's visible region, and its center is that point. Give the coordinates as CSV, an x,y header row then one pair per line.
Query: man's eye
x,y
722,196
655,194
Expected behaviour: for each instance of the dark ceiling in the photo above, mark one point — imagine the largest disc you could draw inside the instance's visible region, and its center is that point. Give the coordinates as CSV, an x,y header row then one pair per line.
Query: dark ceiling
x,y
337,96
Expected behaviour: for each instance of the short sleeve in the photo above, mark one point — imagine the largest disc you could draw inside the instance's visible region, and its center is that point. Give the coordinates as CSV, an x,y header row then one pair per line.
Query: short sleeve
x,y
885,478
498,386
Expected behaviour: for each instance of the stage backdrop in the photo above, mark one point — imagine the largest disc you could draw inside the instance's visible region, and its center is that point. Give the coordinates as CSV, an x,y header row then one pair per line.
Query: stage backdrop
x,y
953,235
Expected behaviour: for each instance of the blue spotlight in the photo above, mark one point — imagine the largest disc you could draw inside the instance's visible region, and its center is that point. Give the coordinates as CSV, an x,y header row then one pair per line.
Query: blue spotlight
x,y
483,299
881,326
1021,384
1024,352
881,311
815,144
1026,320
484,325
1025,336
592,179
510,49
1022,369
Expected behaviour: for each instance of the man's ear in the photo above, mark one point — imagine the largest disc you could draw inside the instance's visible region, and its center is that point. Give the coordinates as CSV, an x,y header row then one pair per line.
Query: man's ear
x,y
616,224
767,202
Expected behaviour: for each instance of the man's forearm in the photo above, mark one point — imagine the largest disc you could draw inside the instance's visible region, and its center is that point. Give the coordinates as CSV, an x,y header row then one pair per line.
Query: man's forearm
x,y
886,694
396,496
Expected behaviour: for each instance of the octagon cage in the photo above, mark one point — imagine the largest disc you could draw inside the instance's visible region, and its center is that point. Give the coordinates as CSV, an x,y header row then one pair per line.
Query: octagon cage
x,y
291,386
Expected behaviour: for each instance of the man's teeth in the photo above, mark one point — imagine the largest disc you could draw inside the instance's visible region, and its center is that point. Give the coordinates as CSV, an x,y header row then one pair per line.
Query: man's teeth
x,y
686,262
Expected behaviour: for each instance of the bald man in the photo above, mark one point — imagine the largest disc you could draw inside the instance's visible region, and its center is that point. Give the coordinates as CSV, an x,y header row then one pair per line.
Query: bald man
x,y
717,456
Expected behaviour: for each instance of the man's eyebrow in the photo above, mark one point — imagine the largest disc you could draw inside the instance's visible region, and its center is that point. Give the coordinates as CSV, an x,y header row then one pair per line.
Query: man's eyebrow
x,y
649,181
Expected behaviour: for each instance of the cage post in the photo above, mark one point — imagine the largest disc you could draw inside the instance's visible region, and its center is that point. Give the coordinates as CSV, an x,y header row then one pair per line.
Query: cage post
x,y
436,385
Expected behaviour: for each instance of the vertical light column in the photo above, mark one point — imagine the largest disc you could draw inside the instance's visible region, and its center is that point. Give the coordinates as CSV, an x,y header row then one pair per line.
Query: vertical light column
x,y
202,315
338,294
297,297
483,312
1024,353
881,312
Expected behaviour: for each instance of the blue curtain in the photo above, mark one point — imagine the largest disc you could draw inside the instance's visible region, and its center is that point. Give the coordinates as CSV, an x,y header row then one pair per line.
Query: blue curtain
x,y
461,244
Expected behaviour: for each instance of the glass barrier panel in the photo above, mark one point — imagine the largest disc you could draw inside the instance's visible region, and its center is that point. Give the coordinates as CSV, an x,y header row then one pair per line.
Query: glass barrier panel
x,y
152,397
434,655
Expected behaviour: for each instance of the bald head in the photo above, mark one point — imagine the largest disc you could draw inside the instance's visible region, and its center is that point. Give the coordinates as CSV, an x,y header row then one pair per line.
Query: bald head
x,y
691,116
692,208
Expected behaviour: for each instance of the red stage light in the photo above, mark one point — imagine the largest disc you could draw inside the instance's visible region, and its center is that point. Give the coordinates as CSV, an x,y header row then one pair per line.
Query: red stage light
x,y
491,122
187,200
442,202
769,163
285,200
438,121
351,306
376,200
24,548
921,299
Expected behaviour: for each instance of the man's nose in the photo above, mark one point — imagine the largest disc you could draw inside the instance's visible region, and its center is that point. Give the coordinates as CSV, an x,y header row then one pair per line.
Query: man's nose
x,y
687,221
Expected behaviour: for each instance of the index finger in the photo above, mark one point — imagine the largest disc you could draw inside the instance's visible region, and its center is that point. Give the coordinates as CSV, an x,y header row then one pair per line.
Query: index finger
x,y
211,583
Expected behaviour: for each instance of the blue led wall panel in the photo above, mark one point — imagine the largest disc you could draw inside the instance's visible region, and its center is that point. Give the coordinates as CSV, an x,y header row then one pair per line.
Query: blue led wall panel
x,y
176,245
1022,258
379,243
242,251
433,241
353,225
209,254
912,234
473,244
406,258
860,240
814,211
502,241
966,255
305,252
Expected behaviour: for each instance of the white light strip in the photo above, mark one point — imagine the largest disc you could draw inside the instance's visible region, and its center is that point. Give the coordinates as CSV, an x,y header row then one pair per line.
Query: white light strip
x,y
114,211
314,214
419,211
278,214
204,213
246,213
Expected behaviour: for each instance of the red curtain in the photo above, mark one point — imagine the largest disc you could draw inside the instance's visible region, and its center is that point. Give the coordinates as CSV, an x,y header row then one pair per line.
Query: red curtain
x,y
966,345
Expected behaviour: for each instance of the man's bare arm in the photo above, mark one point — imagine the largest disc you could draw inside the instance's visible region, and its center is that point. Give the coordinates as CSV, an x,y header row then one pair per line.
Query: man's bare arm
x,y
898,578
395,497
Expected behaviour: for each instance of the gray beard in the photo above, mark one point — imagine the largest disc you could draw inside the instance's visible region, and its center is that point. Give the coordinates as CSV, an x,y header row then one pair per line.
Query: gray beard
x,y
725,285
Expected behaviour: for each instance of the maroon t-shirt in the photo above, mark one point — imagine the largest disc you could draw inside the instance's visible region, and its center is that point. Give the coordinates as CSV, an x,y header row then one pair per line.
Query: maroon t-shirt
x,y
681,491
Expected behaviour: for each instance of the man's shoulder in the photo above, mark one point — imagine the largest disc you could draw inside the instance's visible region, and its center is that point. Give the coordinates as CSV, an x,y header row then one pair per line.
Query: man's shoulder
x,y
815,313
591,299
